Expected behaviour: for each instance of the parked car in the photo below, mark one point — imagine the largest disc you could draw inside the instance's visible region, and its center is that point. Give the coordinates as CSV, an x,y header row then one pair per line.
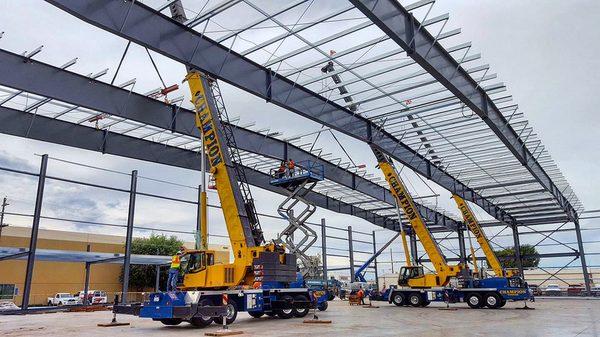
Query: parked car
x,y
94,296
595,290
576,290
535,289
63,299
553,290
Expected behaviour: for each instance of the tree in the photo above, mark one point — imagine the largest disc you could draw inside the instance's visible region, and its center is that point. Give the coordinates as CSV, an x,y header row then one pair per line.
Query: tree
x,y
529,256
143,276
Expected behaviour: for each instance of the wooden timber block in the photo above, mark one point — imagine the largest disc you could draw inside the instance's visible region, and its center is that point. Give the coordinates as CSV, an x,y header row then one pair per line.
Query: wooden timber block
x,y
370,306
224,333
107,325
317,321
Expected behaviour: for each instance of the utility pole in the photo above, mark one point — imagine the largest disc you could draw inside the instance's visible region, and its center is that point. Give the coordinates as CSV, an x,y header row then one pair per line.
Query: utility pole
x,y
2,225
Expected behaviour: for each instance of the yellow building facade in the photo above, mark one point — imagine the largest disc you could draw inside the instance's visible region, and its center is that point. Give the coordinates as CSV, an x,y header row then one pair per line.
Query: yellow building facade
x,y
51,277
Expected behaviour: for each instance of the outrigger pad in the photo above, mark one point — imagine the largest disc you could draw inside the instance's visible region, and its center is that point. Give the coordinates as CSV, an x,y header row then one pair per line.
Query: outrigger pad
x,y
224,333
107,325
317,321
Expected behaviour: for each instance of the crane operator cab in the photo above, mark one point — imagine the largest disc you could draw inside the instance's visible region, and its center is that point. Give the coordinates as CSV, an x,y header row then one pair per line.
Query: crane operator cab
x,y
409,273
194,261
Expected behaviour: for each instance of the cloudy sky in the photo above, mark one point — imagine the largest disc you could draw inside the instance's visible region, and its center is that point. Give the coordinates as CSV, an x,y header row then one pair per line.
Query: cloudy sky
x,y
549,66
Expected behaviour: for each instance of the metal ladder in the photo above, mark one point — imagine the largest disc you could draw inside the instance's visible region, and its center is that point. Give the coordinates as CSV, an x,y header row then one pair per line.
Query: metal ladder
x,y
236,160
297,192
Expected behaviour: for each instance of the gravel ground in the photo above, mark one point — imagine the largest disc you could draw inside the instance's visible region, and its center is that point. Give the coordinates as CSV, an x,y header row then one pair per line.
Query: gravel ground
x,y
552,317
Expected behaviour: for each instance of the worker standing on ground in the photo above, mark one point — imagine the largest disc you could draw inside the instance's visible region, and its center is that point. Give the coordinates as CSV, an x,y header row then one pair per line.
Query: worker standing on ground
x,y
174,270
361,295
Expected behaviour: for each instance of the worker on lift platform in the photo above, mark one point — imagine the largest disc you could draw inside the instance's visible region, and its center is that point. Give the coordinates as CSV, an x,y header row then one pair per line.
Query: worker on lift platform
x,y
281,171
291,165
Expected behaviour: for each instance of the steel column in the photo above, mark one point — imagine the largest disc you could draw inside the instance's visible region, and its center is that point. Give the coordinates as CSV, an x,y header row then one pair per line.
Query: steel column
x,y
375,261
86,285
351,254
2,225
324,248
518,255
461,246
128,237
157,281
413,247
34,232
586,275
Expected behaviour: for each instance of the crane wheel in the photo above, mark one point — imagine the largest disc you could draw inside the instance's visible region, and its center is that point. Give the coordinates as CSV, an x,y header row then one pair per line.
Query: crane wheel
x,y
493,300
231,314
201,321
399,299
502,303
415,299
301,312
425,303
286,313
256,314
474,301
171,321
323,306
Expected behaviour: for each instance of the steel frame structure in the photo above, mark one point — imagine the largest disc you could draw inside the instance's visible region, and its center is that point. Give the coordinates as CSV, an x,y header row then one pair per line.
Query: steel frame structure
x,y
445,122
355,245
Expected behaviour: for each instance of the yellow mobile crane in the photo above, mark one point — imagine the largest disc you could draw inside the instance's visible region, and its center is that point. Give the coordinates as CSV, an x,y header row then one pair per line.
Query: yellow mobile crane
x,y
417,288
413,276
245,235
263,278
475,228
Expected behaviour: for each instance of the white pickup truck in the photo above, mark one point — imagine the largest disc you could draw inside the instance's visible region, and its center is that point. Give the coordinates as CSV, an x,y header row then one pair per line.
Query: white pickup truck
x,y
93,296
63,299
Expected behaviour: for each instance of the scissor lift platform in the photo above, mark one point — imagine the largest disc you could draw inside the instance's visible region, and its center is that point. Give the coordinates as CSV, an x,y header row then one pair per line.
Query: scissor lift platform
x,y
298,182
305,172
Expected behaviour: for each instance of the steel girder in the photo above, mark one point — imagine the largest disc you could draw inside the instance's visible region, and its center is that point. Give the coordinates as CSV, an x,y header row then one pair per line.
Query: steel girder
x,y
49,81
401,26
541,255
144,26
23,124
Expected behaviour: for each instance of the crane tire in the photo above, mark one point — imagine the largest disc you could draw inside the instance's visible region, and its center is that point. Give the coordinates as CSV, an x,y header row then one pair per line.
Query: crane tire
x,y
399,299
474,301
492,300
415,299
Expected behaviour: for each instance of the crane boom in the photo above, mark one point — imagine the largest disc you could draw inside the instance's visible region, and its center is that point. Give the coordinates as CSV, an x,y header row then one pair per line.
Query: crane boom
x,y
403,198
476,229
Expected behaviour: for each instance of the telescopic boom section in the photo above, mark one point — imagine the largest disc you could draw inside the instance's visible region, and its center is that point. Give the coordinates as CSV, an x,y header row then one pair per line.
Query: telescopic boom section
x,y
403,198
221,166
476,229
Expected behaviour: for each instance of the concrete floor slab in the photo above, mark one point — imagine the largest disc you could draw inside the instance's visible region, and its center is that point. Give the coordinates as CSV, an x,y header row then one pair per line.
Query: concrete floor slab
x,y
552,317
